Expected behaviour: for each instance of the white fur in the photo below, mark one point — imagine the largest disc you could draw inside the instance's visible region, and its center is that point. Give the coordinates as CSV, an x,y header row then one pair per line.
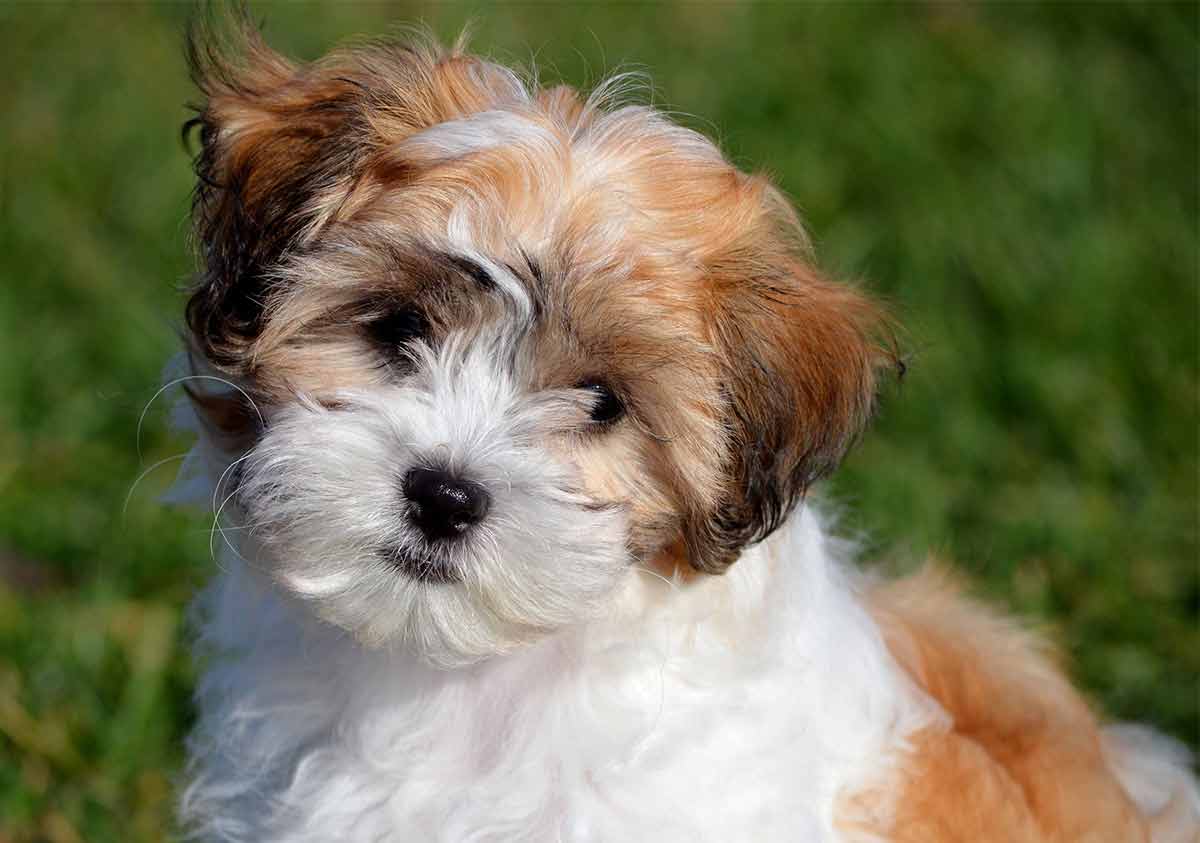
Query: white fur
x,y
558,691
326,516
1156,773
737,708
476,133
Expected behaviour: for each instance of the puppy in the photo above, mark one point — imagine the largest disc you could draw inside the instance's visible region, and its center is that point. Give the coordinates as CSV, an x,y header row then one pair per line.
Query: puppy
x,y
508,400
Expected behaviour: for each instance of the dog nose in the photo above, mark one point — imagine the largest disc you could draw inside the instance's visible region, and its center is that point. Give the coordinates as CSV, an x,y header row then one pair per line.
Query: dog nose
x,y
442,505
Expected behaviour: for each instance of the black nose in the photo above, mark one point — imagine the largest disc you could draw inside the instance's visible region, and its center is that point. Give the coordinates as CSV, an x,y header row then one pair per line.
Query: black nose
x,y
442,505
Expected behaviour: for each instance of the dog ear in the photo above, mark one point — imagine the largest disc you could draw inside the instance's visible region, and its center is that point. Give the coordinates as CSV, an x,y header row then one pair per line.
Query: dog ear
x,y
273,150
800,359
285,148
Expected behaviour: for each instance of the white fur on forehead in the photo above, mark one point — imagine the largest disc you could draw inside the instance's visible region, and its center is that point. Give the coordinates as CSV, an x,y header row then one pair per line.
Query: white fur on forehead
x,y
461,236
600,159
485,130
323,502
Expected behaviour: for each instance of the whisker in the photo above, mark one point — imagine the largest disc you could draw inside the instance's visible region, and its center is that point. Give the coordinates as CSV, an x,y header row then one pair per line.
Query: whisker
x,y
221,480
177,382
217,528
142,476
674,586
217,510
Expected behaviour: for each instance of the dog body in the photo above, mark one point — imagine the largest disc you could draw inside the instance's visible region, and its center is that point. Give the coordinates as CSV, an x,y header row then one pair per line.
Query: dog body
x,y
520,396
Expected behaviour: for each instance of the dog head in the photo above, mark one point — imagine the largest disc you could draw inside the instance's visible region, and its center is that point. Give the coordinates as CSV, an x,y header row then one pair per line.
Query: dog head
x,y
503,343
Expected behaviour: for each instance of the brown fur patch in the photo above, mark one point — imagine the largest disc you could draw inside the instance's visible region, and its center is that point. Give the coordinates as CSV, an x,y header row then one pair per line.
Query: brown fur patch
x,y
1023,760
801,370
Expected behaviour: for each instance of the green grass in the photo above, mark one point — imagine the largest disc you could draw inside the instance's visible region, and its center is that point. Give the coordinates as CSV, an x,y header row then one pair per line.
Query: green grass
x,y
1019,182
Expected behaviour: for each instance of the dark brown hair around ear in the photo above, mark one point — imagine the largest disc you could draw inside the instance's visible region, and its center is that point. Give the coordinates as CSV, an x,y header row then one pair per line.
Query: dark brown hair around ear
x,y
270,141
802,355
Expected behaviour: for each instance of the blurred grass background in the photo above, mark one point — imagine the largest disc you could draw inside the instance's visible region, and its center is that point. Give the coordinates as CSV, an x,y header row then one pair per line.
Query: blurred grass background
x,y
1020,182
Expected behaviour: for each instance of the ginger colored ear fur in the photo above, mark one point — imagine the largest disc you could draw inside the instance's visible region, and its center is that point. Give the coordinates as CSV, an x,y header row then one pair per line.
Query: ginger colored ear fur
x,y
801,357
1023,759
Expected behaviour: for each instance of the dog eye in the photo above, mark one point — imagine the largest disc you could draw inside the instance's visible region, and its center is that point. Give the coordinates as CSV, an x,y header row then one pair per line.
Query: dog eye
x,y
607,407
399,327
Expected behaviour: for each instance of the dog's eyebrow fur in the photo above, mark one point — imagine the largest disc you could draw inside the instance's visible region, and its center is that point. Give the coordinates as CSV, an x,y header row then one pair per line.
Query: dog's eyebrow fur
x,y
472,270
533,281
535,268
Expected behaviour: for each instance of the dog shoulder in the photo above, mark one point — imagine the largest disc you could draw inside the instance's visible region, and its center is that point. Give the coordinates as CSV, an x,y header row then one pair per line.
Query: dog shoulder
x,y
1023,759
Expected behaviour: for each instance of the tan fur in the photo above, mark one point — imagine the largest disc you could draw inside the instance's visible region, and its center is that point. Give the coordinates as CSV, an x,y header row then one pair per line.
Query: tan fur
x,y
1023,760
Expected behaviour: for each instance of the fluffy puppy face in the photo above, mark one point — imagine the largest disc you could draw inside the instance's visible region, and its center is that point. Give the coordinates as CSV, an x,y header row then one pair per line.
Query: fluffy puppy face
x,y
506,342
